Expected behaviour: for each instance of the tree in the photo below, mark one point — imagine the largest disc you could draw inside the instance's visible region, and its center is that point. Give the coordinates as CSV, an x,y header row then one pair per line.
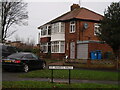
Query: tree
x,y
12,13
110,27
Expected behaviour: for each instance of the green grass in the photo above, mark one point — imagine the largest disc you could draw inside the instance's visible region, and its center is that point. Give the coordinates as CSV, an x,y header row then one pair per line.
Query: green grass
x,y
75,74
38,84
92,66
48,61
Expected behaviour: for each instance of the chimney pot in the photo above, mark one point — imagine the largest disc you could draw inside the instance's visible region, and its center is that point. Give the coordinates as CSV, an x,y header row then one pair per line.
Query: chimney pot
x,y
75,6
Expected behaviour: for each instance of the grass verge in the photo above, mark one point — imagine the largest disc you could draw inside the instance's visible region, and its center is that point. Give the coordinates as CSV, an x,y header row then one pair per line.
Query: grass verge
x,y
92,66
75,74
36,84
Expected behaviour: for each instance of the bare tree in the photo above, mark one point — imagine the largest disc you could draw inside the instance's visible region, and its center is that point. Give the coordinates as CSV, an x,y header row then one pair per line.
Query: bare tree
x,y
12,13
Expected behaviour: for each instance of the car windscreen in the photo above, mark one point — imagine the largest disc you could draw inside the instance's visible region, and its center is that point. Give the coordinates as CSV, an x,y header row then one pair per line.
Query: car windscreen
x,y
16,55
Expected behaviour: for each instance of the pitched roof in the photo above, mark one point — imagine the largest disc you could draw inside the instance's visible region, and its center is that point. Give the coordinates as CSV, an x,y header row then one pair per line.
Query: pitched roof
x,y
79,13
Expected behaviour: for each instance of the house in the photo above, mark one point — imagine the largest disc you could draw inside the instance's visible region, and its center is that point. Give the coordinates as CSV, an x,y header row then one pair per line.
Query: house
x,y
72,35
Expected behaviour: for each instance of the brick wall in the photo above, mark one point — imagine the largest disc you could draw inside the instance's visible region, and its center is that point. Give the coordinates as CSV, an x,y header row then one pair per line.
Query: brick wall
x,y
69,37
88,34
58,56
45,39
98,46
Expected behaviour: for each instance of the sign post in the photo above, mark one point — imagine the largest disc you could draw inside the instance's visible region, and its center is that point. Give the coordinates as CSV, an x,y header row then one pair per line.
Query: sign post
x,y
61,68
52,76
69,76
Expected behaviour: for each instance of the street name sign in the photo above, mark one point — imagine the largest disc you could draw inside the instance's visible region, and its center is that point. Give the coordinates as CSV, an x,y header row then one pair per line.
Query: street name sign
x,y
60,67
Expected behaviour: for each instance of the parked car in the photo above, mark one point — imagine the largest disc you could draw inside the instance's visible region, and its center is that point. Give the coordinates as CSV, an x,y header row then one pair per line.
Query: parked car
x,y
22,61
7,50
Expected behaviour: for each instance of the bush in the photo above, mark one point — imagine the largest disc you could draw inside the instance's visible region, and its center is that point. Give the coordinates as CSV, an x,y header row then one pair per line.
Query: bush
x,y
109,55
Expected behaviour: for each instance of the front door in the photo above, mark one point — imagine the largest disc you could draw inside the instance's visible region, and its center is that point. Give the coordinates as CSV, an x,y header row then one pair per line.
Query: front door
x,y
72,50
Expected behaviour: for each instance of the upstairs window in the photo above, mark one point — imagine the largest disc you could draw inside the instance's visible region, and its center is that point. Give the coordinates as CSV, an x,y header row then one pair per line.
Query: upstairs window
x,y
72,26
46,30
62,27
58,27
96,28
55,28
49,30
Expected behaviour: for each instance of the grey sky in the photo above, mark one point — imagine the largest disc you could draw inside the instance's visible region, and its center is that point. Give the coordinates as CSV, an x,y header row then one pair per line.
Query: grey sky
x,y
42,12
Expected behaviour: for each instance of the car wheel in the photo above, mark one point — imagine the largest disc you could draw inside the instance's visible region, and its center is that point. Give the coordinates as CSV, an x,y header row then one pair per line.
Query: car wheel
x,y
43,66
25,68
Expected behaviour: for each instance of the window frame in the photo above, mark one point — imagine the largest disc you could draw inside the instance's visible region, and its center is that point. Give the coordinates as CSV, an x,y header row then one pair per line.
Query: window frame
x,y
72,26
46,46
56,47
46,30
96,25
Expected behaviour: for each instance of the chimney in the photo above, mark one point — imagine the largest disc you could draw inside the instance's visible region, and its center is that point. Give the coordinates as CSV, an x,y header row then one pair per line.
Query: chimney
x,y
75,6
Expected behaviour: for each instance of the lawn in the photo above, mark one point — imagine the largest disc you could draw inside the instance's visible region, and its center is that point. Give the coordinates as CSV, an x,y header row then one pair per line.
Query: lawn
x,y
75,74
38,84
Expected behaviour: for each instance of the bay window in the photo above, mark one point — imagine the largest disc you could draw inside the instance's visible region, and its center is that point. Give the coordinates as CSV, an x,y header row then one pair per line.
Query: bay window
x,y
46,30
58,27
58,47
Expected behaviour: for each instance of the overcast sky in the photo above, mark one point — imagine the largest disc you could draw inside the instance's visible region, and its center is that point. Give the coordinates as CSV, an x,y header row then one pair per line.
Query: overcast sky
x,y
42,12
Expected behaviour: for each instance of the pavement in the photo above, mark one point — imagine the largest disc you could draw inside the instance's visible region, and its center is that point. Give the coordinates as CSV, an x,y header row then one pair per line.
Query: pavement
x,y
62,80
13,76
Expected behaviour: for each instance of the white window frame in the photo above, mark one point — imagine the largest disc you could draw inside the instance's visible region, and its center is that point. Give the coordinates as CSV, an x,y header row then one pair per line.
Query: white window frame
x,y
62,47
62,29
96,28
57,46
44,30
72,26
58,27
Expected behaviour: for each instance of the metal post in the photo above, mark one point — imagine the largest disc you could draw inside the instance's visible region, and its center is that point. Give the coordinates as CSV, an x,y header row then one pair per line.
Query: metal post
x,y
69,76
52,76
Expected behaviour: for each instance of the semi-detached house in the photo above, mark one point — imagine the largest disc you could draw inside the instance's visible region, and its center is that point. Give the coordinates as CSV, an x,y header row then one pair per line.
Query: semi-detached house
x,y
72,35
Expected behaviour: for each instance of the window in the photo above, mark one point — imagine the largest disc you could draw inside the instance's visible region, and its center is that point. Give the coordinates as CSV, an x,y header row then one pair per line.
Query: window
x,y
55,46
29,56
72,26
96,28
46,30
62,27
44,47
34,56
62,48
55,28
58,27
49,30
58,47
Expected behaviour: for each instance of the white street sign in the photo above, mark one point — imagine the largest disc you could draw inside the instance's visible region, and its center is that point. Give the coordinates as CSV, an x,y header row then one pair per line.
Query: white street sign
x,y
60,67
